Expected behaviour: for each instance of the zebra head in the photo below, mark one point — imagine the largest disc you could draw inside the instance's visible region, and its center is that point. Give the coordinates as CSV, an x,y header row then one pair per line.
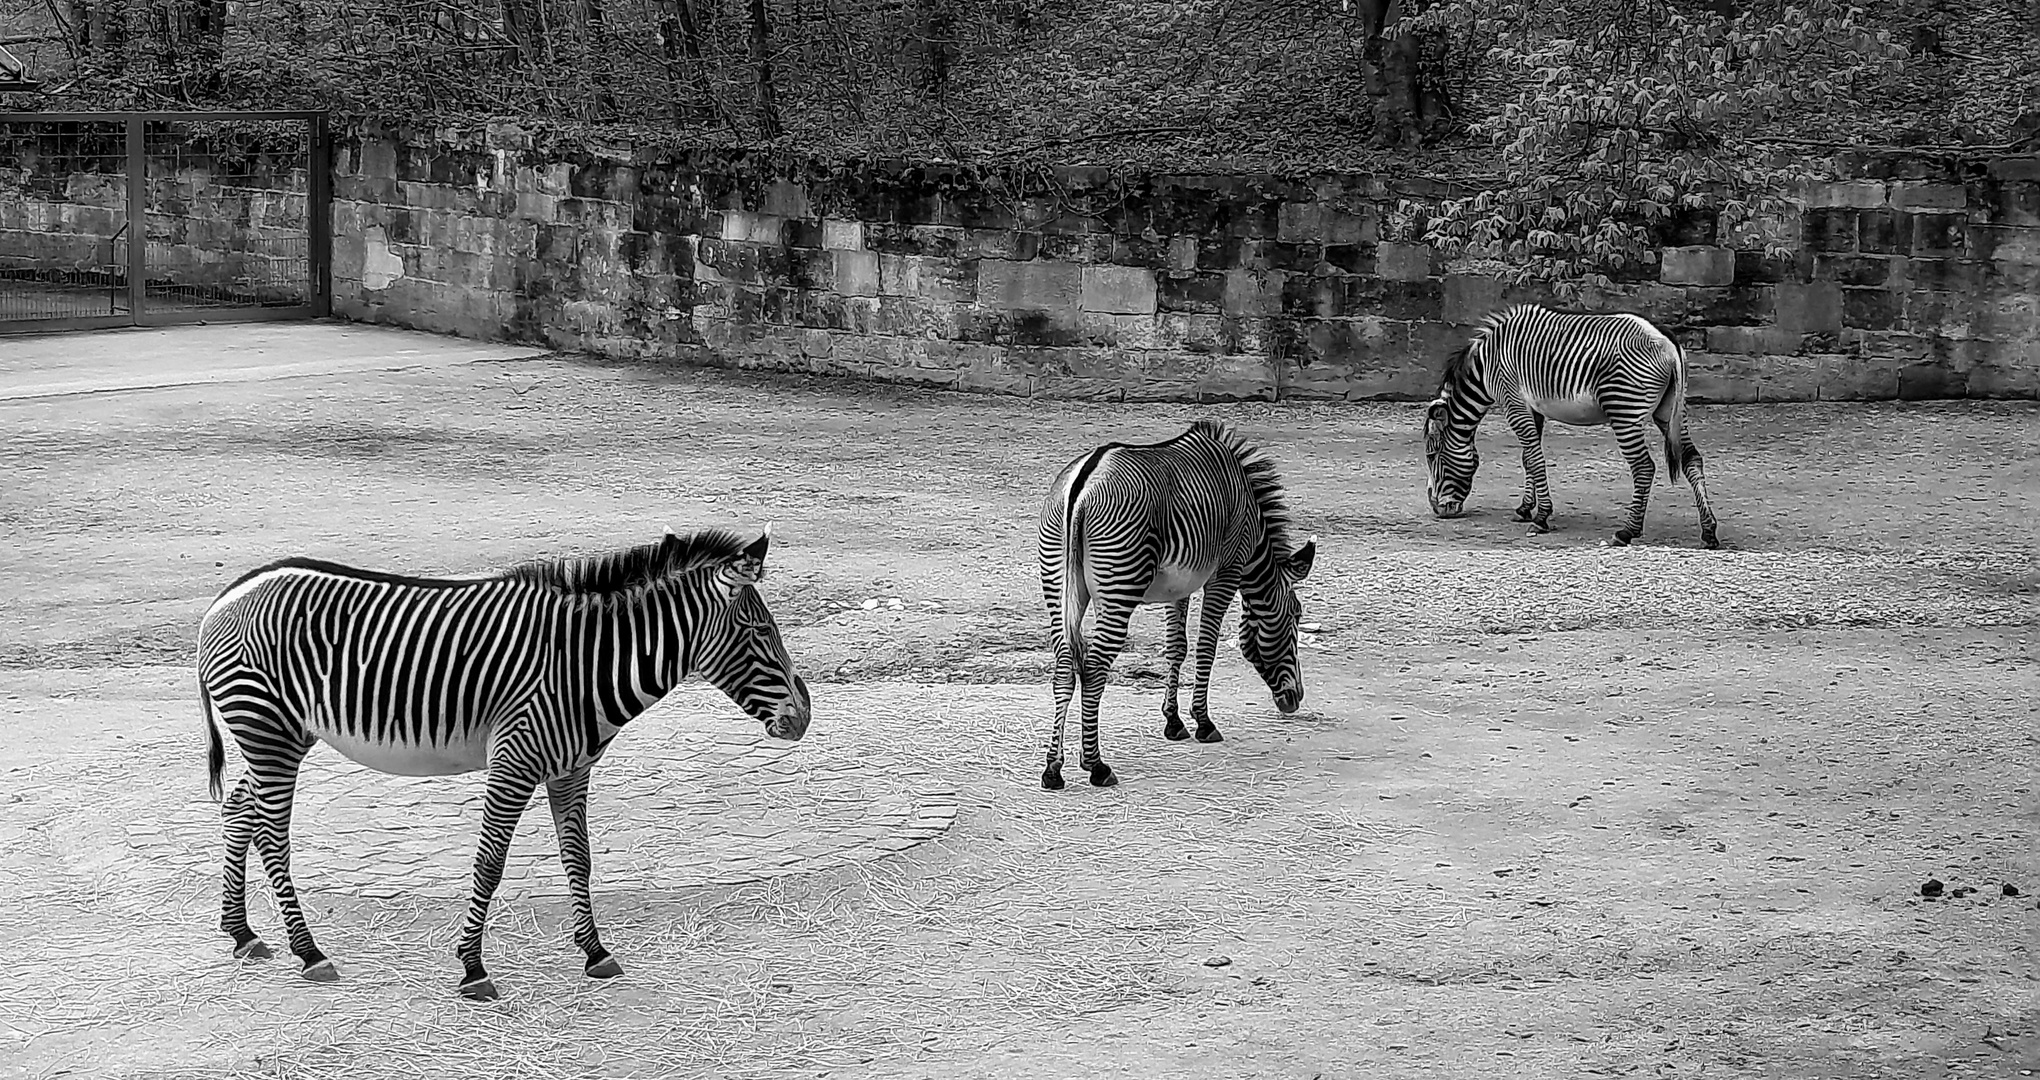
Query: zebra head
x,y
1269,615
1451,458
738,649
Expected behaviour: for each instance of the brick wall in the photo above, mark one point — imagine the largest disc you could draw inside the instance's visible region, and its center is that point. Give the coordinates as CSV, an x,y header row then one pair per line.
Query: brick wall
x,y
1915,277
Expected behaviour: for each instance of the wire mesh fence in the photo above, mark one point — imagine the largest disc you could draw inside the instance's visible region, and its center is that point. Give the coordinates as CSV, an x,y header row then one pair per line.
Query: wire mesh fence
x,y
108,218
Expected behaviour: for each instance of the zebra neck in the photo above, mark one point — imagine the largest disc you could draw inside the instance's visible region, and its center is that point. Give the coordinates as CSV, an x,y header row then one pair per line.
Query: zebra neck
x,y
634,653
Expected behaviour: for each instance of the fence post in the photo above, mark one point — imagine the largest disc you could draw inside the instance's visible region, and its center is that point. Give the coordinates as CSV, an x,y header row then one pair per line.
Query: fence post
x,y
319,217
137,218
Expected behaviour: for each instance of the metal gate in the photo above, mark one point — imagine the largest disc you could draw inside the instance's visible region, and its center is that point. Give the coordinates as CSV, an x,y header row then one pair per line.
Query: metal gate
x,y
150,219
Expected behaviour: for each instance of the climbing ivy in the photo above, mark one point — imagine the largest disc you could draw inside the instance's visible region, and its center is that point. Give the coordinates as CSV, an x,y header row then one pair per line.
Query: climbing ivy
x,y
1632,122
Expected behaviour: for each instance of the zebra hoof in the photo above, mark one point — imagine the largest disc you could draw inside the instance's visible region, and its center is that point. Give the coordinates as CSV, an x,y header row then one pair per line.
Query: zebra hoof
x,y
1101,775
605,968
1522,513
322,972
1174,731
252,949
1209,735
482,989
1051,779
1709,541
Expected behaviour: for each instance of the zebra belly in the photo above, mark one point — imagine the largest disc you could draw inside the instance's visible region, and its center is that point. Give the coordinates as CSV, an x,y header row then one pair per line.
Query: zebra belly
x,y
1580,408
460,755
1173,583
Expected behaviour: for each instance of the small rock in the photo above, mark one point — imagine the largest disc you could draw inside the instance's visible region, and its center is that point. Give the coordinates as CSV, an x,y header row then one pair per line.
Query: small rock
x,y
2011,889
1504,871
871,605
1311,627
1932,887
1960,891
1217,961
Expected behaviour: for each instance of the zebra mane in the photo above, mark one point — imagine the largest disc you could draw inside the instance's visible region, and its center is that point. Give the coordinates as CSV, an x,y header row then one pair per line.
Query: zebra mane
x,y
1261,480
616,573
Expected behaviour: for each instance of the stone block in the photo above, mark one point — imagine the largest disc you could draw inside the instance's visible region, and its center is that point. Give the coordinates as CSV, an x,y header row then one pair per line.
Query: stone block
x,y
1810,307
2016,204
1190,377
1697,265
1090,248
1414,301
1187,333
1403,262
1884,232
1253,292
1300,222
1202,292
1885,343
532,206
1950,315
1829,230
1939,234
857,273
1470,298
1853,270
1872,309
1125,290
2023,167
379,158
1752,340
1859,194
1721,378
1351,226
1788,378
1915,195
1182,254
1016,286
1858,378
1351,258
1931,379
784,198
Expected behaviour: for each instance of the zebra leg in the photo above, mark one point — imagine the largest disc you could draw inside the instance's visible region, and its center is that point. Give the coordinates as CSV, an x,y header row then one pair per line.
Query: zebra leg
x,y
508,792
1069,656
1218,596
1108,637
1178,648
272,784
239,814
1688,457
1629,435
568,797
1528,425
1527,508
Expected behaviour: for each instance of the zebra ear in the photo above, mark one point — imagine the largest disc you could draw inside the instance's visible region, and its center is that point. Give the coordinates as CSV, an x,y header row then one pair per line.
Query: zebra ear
x,y
759,546
1297,566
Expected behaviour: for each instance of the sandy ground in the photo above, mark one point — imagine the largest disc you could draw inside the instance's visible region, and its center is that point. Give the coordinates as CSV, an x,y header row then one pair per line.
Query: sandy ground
x,y
1550,810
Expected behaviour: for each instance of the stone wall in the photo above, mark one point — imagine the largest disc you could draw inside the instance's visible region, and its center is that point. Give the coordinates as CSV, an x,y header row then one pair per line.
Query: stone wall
x,y
229,228
1915,277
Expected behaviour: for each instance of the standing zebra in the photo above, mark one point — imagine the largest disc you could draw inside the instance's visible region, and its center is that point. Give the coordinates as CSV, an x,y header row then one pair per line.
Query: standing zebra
x,y
1574,368
528,674
1127,525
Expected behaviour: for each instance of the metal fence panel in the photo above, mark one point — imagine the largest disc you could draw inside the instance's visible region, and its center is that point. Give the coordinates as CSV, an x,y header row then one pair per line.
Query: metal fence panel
x,y
113,219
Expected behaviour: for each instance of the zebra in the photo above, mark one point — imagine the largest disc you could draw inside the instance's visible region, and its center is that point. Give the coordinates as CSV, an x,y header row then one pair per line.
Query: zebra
x,y
1126,525
528,673
1578,369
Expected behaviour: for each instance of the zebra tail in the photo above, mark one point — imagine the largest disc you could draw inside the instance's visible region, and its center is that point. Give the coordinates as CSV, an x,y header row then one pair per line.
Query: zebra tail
x,y
1675,419
1073,574
215,753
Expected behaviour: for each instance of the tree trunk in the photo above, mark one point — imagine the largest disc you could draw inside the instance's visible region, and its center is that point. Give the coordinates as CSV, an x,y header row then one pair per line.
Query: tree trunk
x,y
761,58
525,22
596,52
680,34
938,27
1392,79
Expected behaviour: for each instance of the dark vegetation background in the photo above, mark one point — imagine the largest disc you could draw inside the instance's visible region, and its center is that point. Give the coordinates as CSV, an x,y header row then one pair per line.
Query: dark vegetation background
x,y
1269,85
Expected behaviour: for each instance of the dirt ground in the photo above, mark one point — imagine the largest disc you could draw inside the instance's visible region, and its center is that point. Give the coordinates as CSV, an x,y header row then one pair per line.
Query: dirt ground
x,y
1549,809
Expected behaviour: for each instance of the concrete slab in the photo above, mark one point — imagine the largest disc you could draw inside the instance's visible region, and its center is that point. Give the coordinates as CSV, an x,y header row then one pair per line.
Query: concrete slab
x,y
103,361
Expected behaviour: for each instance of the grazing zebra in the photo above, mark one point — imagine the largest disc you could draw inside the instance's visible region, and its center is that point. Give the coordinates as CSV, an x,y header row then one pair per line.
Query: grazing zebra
x,y
1126,525
1574,368
528,674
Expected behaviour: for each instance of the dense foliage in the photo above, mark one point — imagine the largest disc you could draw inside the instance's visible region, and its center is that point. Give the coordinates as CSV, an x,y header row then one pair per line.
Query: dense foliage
x,y
1584,129
1633,117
